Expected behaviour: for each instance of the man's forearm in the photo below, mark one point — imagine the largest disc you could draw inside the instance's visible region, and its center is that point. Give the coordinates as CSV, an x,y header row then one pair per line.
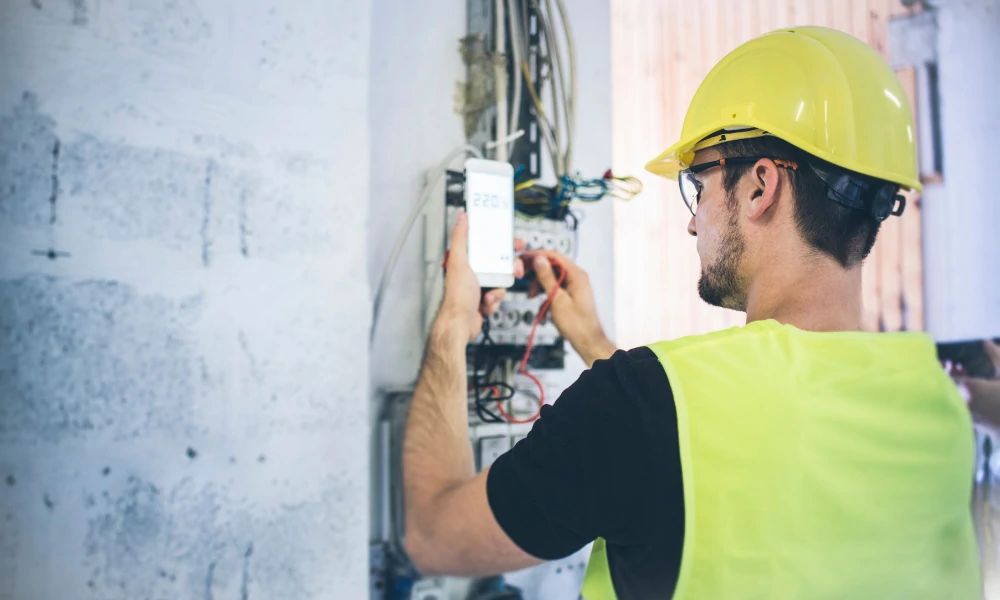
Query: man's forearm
x,y
600,348
985,400
436,450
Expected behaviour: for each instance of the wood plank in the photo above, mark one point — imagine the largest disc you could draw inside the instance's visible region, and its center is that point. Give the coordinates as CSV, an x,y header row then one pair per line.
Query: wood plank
x,y
870,290
860,23
838,15
629,296
891,274
891,271
911,238
742,15
872,273
879,26
658,139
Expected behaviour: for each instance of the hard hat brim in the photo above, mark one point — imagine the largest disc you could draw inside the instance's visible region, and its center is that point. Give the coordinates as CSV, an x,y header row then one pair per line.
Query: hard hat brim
x,y
679,156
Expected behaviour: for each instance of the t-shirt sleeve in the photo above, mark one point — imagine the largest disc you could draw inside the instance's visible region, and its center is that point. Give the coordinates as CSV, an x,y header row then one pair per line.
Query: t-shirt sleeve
x,y
588,466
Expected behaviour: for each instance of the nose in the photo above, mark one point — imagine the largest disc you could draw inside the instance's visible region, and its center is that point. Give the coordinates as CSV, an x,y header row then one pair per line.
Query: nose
x,y
691,228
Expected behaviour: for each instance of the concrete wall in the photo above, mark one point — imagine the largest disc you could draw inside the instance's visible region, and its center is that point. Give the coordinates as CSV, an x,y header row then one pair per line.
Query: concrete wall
x,y
183,204
962,215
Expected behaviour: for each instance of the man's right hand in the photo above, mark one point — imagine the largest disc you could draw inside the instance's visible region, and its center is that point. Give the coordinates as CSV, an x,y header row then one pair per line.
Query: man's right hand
x,y
982,394
573,310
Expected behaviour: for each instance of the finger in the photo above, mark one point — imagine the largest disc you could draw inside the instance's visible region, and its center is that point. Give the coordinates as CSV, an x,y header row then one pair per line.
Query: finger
x,y
573,272
458,250
491,301
494,296
993,352
518,268
488,310
546,276
963,388
519,245
534,288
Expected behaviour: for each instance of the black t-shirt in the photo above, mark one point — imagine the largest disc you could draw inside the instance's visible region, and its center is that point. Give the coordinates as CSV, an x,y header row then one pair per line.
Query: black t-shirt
x,y
603,461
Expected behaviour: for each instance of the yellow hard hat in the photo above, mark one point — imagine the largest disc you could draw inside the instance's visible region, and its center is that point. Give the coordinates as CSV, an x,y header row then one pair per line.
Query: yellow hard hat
x,y
819,89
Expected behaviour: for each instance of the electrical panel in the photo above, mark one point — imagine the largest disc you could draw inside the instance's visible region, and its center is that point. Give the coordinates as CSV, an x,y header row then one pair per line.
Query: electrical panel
x,y
518,106
512,324
490,449
509,329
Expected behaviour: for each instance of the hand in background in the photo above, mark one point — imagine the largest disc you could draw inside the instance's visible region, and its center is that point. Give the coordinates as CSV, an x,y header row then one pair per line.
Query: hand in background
x,y
573,309
982,394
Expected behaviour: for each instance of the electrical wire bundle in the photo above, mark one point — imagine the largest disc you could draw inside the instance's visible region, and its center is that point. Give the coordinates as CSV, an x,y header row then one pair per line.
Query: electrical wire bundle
x,y
557,126
592,190
534,201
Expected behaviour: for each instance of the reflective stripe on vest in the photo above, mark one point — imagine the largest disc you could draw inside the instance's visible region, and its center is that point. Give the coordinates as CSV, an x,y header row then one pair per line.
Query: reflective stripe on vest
x,y
817,466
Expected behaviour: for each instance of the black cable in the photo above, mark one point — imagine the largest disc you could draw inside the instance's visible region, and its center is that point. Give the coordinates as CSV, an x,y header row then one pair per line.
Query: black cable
x,y
570,215
485,414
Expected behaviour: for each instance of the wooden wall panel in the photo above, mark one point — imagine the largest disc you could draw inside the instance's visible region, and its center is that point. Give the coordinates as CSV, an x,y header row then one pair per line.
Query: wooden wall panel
x,y
911,244
661,50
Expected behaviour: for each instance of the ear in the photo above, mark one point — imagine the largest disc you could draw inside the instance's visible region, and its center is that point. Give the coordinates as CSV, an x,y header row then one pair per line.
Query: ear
x,y
763,191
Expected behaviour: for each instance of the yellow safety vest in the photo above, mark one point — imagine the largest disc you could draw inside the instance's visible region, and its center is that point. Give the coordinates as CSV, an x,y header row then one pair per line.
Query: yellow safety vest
x,y
817,466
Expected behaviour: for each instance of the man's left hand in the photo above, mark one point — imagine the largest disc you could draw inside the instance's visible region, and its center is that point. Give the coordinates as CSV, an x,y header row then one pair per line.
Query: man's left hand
x,y
463,298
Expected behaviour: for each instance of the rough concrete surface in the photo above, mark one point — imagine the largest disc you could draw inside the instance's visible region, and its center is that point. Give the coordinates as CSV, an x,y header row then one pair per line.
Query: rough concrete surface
x,y
183,292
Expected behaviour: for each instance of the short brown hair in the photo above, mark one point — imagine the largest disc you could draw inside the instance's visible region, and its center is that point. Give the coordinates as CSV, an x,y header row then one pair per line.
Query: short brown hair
x,y
844,233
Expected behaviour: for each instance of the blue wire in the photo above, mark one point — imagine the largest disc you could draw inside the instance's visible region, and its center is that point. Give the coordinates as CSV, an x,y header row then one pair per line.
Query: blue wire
x,y
584,190
573,186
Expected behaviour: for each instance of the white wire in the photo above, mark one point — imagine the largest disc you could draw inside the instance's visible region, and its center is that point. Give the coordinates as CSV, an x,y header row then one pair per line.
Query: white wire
x,y
549,129
552,48
563,100
411,219
558,86
571,100
515,49
510,139
500,82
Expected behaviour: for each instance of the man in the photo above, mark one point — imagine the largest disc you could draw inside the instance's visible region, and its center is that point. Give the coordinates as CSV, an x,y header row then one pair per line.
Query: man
x,y
795,457
983,393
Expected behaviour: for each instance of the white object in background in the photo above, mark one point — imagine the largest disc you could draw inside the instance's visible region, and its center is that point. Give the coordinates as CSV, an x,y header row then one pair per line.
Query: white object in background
x,y
429,589
960,214
489,202
491,448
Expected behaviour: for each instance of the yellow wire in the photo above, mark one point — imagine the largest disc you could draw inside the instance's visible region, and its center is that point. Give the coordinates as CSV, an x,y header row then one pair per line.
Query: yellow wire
x,y
531,90
524,185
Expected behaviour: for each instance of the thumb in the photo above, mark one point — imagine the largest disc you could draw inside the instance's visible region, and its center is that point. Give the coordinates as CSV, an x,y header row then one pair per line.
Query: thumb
x,y
458,250
993,352
543,269
963,388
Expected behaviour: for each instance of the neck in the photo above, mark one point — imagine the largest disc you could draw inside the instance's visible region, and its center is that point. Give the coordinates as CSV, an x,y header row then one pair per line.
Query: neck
x,y
813,295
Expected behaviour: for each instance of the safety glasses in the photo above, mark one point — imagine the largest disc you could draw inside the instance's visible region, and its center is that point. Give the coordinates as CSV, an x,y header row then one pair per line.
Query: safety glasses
x,y
691,186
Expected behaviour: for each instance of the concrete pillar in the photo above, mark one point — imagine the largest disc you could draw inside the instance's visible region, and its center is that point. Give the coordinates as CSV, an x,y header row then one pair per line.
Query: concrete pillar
x,y
962,213
183,293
